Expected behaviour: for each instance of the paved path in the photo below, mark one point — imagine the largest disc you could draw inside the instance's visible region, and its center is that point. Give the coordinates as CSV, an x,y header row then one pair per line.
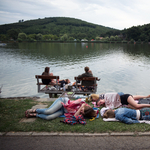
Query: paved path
x,y
68,141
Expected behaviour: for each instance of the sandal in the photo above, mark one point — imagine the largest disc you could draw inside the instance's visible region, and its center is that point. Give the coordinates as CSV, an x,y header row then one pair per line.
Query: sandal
x,y
26,113
29,111
30,115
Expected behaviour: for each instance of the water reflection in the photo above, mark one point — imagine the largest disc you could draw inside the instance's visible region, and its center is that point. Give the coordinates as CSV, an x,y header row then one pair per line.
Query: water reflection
x,y
121,67
63,50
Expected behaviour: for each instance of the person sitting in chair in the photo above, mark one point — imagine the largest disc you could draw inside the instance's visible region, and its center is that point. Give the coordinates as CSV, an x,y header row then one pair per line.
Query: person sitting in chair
x,y
48,81
86,84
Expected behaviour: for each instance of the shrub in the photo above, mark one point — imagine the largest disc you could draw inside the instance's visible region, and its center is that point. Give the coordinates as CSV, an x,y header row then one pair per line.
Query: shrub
x,y
22,36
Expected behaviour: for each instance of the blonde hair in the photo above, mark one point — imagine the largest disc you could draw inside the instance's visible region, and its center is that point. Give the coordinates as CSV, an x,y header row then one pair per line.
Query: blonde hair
x,y
109,114
94,96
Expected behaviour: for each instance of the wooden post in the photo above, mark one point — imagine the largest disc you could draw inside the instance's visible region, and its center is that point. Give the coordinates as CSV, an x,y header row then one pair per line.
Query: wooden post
x,y
50,95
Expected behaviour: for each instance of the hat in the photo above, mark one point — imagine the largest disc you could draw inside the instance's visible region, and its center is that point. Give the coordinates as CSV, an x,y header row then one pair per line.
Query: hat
x,y
103,110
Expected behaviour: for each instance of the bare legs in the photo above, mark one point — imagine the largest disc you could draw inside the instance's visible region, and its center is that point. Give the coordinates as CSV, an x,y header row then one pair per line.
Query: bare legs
x,y
54,111
136,97
133,104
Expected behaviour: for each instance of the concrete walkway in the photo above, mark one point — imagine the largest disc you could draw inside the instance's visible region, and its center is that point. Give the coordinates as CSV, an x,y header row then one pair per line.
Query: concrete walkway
x,y
74,141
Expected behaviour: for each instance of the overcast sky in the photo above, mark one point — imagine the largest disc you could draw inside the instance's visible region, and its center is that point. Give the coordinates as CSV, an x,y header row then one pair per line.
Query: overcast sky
x,y
118,14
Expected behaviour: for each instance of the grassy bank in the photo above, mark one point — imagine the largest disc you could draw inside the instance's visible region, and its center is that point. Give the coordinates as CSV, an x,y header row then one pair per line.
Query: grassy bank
x,y
12,111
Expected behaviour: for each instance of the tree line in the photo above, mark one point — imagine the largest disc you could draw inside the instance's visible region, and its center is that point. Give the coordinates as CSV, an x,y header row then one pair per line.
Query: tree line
x,y
70,29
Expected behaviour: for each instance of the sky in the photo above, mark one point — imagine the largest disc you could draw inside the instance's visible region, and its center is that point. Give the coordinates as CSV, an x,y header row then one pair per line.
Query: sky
x,y
117,14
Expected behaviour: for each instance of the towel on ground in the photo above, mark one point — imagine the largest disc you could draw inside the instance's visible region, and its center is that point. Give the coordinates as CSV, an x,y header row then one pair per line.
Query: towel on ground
x,y
114,119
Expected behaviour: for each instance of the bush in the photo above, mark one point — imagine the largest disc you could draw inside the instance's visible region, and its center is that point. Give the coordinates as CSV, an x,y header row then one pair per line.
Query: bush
x,y
64,37
97,38
39,36
22,36
139,41
30,39
19,40
131,41
71,38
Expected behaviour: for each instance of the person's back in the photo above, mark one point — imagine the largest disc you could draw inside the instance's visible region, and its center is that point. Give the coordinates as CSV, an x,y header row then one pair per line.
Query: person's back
x,y
88,73
46,73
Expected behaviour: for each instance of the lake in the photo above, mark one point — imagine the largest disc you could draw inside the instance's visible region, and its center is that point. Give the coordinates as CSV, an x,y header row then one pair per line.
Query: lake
x,y
121,67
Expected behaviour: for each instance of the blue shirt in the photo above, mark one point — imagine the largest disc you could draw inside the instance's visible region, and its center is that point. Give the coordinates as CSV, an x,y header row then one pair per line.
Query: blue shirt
x,y
126,115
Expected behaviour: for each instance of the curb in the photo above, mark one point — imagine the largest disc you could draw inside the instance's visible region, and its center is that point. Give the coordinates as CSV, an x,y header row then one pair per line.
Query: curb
x,y
73,134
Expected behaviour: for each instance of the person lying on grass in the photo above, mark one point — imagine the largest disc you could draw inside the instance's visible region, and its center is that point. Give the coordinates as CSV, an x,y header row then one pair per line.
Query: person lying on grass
x,y
63,106
128,115
115,100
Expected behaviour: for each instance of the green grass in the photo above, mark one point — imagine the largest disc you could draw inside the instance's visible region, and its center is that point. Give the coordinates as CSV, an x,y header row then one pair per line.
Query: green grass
x,y
12,111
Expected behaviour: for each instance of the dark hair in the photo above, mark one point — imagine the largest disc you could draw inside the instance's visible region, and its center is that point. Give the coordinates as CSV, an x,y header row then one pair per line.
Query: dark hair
x,y
86,69
89,112
67,81
47,70
97,102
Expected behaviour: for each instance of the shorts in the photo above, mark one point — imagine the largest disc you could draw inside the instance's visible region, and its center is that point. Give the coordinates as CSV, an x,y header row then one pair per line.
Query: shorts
x,y
120,93
124,99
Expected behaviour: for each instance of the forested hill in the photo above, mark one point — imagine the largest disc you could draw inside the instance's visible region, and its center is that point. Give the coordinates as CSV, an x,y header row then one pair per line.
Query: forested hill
x,y
58,26
55,28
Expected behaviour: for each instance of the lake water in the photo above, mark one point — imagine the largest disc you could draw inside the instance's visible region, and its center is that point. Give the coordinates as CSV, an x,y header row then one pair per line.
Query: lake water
x,y
121,67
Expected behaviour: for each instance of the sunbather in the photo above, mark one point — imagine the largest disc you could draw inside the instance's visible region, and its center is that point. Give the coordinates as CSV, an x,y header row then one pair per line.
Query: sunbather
x,y
114,100
128,115
63,106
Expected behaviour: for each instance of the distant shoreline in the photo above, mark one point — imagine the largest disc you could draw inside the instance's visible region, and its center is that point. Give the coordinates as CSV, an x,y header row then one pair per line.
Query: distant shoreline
x,y
21,98
108,42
